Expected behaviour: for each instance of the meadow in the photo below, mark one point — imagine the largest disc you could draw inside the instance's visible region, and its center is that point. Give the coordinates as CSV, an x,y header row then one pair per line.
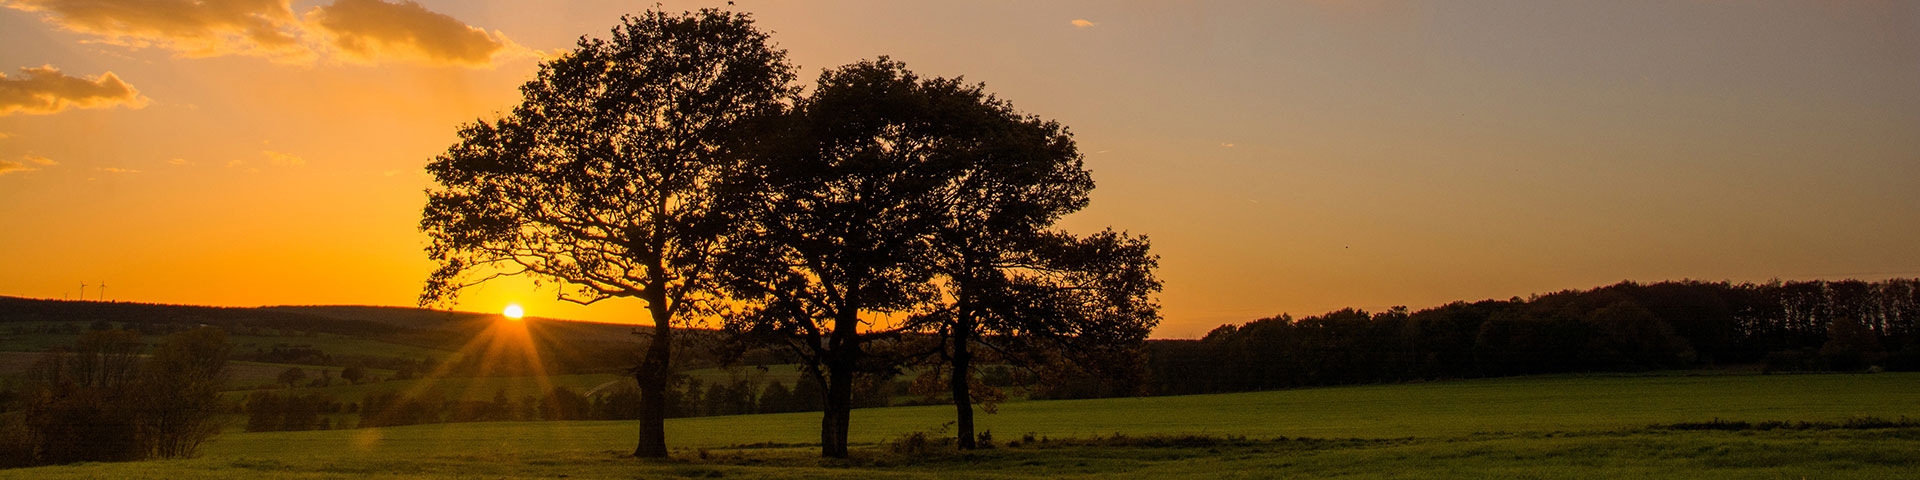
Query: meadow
x,y
1531,427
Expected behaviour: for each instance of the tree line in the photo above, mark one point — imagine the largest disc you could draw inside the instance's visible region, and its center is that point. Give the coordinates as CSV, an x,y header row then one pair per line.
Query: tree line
x,y
1784,326
876,220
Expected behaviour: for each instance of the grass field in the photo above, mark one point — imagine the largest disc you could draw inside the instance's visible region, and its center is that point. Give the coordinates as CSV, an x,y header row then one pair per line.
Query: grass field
x,y
1543,427
482,388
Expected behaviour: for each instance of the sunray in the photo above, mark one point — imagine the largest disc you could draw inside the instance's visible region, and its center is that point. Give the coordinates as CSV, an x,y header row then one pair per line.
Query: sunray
x,y
504,348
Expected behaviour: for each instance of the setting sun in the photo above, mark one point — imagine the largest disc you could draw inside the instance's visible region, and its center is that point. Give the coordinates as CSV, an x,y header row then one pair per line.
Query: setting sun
x,y
514,311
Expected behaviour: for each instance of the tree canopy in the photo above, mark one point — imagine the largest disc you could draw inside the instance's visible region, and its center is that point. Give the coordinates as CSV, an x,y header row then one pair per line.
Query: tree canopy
x,y
890,204
603,180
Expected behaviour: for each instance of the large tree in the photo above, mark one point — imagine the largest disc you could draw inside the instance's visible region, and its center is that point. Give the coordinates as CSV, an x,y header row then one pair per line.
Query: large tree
x,y
603,179
845,199
1006,279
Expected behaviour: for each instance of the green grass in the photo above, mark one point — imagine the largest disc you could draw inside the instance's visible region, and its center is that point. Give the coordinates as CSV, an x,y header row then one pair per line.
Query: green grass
x,y
453,388
482,388
1543,427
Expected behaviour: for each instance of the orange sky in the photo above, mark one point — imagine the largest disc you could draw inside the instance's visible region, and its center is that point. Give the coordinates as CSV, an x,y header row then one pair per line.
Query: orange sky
x,y
1283,156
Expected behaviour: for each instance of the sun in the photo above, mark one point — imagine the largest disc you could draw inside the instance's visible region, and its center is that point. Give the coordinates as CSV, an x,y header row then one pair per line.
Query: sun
x,y
514,311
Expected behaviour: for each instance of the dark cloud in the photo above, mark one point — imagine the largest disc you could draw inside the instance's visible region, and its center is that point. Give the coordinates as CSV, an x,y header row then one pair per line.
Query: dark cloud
x,y
45,90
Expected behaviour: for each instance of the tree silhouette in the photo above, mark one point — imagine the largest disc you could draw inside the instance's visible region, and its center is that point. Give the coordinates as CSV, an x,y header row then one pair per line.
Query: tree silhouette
x,y
181,386
1069,306
1006,279
889,203
291,377
99,401
844,198
602,180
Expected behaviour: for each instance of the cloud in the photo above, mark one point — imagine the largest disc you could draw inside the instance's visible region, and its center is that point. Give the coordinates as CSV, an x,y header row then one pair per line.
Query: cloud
x,y
194,28
1082,23
179,162
117,170
45,90
360,31
5,135
281,159
10,166
370,30
1226,145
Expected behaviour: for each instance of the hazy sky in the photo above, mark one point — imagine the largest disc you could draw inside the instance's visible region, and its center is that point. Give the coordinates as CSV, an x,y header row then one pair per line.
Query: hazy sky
x,y
1283,156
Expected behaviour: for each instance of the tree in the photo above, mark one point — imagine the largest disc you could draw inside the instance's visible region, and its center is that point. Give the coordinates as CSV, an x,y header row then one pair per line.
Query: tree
x,y
602,180
1004,274
776,398
77,407
100,401
180,387
292,376
1076,308
353,374
562,403
842,199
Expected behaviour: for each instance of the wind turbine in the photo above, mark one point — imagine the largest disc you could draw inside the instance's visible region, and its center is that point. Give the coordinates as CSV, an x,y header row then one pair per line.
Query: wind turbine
x,y
83,290
103,290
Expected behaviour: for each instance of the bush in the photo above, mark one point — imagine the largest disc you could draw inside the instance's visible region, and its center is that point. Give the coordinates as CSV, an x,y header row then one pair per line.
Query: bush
x,y
919,443
1905,360
101,402
267,412
16,442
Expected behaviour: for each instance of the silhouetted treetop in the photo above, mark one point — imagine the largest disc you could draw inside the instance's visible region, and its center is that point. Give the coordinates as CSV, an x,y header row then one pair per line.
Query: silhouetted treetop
x,y
606,178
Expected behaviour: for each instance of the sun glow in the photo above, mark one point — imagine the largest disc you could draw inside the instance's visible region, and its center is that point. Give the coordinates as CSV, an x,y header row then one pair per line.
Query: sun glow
x,y
514,311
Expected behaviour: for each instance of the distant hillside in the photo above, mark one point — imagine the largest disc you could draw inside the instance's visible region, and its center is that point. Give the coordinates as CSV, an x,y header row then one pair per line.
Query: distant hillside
x,y
425,319
16,310
563,345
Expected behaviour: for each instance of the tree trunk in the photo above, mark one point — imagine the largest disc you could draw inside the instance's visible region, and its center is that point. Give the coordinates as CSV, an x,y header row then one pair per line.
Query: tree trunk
x,y
839,409
841,359
961,375
652,375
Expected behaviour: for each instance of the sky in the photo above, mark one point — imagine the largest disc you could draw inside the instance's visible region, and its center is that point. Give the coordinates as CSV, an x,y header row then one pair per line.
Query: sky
x,y
1284,157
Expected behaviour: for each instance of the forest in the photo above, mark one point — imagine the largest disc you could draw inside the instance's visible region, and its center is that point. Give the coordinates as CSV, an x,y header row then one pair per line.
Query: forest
x,y
1848,325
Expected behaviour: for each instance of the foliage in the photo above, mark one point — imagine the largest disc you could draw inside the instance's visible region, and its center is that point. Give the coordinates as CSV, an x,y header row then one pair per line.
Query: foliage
x,y
890,203
841,201
388,409
272,412
562,403
1006,280
100,401
353,374
292,376
1627,327
604,178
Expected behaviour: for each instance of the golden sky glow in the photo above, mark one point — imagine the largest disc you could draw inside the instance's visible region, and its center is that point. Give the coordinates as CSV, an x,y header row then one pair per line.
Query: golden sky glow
x,y
1283,156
